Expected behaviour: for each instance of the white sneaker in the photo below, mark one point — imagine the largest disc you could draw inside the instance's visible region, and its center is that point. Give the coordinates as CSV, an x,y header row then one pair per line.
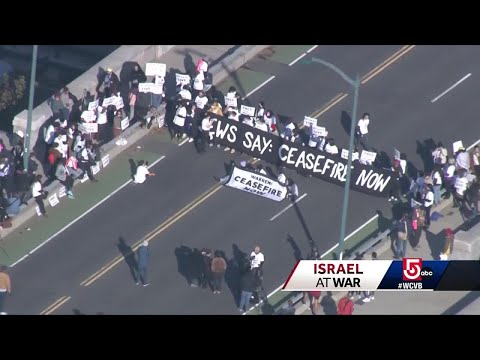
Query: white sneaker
x,y
190,140
218,146
372,298
226,149
366,300
184,136
210,145
118,142
124,141
232,151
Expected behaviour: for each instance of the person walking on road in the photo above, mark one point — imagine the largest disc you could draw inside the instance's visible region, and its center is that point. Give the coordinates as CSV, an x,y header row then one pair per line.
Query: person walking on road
x,y
219,266
402,237
143,256
346,305
5,287
362,131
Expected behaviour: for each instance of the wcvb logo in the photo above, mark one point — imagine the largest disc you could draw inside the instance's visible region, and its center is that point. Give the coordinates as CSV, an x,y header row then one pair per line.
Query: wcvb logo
x,y
412,269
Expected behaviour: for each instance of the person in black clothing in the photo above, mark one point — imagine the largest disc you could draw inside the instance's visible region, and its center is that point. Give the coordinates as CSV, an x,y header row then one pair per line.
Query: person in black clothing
x,y
248,285
206,277
196,268
328,304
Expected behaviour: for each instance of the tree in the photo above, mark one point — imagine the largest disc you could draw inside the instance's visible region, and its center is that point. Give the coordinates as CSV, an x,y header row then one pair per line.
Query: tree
x,y
12,90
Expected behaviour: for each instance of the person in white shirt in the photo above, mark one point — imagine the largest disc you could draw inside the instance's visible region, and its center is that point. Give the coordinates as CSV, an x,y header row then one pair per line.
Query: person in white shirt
x,y
198,81
49,133
102,123
331,148
185,93
428,200
463,159
206,127
256,261
201,100
86,161
38,194
232,92
288,131
179,121
79,143
449,177
142,172
461,185
476,161
440,155
362,131
281,178
437,183
62,141
260,111
271,121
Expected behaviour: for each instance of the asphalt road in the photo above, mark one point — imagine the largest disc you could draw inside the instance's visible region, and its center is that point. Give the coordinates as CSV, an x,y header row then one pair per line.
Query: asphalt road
x,y
399,102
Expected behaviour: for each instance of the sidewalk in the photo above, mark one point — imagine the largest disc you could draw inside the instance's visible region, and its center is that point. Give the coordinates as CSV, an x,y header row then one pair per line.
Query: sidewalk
x,y
416,303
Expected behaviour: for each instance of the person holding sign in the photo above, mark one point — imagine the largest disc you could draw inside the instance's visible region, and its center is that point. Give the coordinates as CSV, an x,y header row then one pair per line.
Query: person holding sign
x,y
207,126
87,160
362,131
102,123
198,82
271,121
288,131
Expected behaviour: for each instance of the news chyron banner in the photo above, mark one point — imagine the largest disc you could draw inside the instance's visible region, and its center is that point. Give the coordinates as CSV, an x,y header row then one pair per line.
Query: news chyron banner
x,y
384,275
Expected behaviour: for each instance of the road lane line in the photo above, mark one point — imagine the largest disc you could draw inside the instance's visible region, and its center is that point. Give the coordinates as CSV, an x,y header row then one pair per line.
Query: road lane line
x,y
452,87
288,207
298,58
183,142
385,61
325,109
91,279
83,215
259,87
387,64
312,48
55,305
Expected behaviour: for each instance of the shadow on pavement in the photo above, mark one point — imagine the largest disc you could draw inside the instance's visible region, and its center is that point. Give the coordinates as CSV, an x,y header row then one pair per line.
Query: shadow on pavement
x,y
297,253
304,224
462,303
128,255
133,167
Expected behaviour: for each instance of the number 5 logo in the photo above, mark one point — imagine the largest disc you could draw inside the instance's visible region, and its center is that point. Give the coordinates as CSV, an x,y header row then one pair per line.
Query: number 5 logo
x,y
411,269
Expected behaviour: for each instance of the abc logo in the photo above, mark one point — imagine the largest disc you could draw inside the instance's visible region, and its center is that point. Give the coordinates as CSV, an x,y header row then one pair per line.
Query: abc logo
x,y
426,272
412,270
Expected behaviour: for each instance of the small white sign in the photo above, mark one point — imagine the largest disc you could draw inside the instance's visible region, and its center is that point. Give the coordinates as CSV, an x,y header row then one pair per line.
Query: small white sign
x,y
37,209
344,155
106,160
319,131
92,106
125,123
231,101
309,121
152,69
161,121
396,154
53,200
368,156
182,79
159,81
62,192
247,110
145,87
88,128
85,178
457,145
96,168
118,102
109,101
88,116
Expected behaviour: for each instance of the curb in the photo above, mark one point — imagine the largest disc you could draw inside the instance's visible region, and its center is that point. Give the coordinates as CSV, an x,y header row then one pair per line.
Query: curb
x,y
134,133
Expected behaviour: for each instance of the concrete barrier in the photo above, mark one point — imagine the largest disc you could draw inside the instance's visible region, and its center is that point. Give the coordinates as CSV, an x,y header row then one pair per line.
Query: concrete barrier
x,y
134,133
467,244
88,80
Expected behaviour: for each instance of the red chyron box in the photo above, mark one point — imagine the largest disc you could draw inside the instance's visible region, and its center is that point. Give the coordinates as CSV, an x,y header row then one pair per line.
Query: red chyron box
x,y
412,267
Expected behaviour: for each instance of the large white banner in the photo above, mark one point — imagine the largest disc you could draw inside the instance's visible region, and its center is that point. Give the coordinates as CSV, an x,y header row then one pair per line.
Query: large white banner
x,y
257,184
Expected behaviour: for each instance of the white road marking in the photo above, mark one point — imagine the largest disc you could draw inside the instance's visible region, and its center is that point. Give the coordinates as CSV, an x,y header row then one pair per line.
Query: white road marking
x,y
259,87
452,87
312,48
297,59
288,207
83,215
183,142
